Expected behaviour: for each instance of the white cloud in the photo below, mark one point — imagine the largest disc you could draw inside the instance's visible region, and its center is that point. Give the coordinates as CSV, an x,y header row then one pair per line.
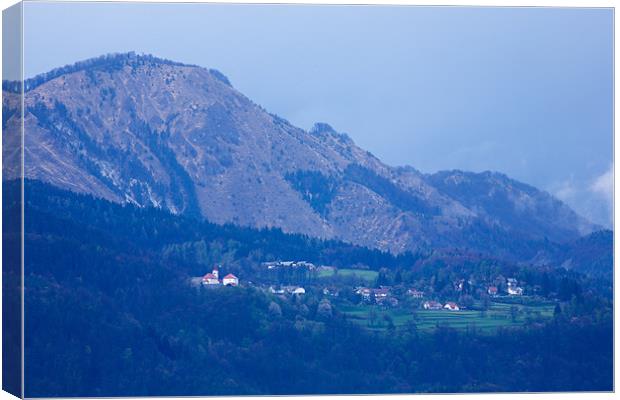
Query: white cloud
x,y
603,185
592,198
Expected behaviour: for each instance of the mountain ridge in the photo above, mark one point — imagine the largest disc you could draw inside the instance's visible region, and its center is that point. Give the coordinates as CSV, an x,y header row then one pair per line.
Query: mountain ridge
x,y
153,132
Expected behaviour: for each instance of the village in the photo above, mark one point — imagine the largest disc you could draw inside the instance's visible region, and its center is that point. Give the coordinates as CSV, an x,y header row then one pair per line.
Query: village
x,y
365,296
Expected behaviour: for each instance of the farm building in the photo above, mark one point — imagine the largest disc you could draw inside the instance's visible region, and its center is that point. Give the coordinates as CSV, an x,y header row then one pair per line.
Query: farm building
x,y
451,306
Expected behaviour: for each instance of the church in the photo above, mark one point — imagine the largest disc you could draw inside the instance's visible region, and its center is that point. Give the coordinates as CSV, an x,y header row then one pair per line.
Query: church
x,y
213,278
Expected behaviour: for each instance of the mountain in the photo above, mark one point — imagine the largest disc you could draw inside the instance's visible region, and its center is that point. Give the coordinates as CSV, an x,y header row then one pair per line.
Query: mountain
x,y
155,133
592,255
510,203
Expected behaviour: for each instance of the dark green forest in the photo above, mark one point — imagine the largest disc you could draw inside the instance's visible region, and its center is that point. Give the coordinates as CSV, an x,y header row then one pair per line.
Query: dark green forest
x,y
109,311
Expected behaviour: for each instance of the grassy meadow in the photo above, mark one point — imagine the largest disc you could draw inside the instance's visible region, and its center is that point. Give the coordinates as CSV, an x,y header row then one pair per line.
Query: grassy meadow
x,y
364,274
498,315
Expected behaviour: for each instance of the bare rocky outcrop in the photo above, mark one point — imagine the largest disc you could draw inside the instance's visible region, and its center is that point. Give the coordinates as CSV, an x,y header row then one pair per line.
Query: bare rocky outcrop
x,y
155,133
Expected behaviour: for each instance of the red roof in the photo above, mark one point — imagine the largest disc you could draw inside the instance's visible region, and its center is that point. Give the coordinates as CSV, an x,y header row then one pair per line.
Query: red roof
x,y
230,276
216,268
209,276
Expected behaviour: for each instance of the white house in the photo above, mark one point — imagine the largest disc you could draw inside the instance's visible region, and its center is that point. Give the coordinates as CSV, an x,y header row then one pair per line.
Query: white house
x,y
364,292
230,280
432,305
276,291
294,289
451,306
381,293
515,290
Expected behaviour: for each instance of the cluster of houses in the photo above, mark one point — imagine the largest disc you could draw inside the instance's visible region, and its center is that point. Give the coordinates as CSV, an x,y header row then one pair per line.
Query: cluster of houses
x,y
512,288
271,265
435,305
296,290
381,296
213,279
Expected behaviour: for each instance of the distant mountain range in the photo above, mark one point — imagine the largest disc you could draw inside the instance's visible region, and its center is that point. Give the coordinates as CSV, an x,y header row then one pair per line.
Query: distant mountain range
x,y
155,133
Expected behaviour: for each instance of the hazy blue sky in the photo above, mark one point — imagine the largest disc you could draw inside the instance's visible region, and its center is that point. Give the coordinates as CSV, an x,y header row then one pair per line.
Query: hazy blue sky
x,y
524,91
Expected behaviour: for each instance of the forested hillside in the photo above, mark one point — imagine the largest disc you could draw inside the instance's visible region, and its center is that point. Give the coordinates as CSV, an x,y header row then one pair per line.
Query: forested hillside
x,y
121,318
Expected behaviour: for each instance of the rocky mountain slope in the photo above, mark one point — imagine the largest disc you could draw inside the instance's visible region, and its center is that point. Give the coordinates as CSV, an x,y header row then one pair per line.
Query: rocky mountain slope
x,y
142,130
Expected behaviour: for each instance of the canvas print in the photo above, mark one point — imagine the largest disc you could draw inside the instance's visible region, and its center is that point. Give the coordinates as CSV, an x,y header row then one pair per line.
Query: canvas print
x,y
211,199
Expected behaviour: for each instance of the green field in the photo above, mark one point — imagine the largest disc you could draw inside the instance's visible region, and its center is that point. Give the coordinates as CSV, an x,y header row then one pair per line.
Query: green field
x,y
364,274
498,315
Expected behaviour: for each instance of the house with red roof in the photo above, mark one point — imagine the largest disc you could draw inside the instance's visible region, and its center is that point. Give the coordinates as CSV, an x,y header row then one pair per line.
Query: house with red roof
x,y
213,279
230,280
210,279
